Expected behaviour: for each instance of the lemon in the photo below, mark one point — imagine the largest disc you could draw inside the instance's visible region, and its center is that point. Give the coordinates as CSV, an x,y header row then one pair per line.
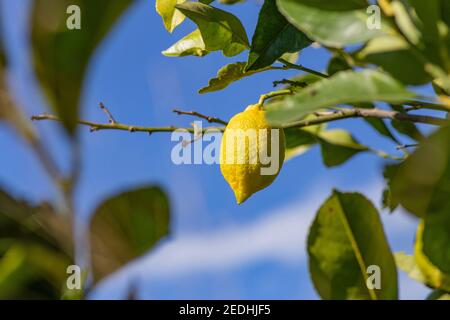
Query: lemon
x,y
251,153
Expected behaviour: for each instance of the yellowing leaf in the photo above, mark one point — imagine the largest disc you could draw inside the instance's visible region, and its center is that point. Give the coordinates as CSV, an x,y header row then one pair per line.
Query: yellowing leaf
x,y
171,17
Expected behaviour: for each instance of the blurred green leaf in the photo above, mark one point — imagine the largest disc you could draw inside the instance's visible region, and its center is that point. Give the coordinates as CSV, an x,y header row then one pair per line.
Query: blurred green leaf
x,y
380,126
408,129
332,23
421,178
346,238
336,64
36,250
394,55
426,16
171,17
220,29
433,275
273,37
299,140
345,87
438,295
408,264
338,146
126,226
422,186
389,173
227,75
61,56
192,44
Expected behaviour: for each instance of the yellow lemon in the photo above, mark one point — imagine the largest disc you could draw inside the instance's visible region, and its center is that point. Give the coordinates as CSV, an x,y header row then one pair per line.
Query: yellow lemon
x,y
251,152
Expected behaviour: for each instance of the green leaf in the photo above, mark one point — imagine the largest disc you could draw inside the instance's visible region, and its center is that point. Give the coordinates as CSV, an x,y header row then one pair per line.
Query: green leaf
x,y
273,37
220,29
438,295
394,55
336,64
408,129
61,56
345,87
192,44
433,276
346,238
426,15
35,249
422,186
125,226
338,146
408,264
300,140
389,173
380,126
417,182
337,25
171,17
227,75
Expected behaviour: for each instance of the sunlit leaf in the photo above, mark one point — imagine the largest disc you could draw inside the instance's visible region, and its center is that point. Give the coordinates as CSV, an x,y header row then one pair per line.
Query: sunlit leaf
x,y
61,55
221,31
125,226
226,75
344,241
192,44
273,37
171,17
332,23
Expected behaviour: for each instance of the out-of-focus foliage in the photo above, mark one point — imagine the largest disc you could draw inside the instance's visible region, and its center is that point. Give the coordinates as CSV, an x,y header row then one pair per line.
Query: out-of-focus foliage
x,y
35,250
125,226
344,87
61,55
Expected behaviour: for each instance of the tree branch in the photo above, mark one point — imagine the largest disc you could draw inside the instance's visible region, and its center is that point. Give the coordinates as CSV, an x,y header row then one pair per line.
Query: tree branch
x,y
289,65
321,117
122,127
199,115
367,113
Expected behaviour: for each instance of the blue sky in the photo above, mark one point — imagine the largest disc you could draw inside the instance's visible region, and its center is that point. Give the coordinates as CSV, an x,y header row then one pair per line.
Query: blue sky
x,y
217,249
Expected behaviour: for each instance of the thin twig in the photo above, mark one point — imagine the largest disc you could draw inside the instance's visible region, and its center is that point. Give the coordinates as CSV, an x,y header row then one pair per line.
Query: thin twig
x,y
302,68
416,105
321,118
290,82
406,146
199,115
108,113
367,113
124,127
273,94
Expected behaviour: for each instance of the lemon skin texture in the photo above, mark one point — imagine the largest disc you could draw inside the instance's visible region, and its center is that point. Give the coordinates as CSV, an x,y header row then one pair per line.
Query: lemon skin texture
x,y
245,177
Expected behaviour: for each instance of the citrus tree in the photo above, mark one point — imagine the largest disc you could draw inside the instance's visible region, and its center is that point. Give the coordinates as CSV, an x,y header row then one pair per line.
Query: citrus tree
x,y
380,53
